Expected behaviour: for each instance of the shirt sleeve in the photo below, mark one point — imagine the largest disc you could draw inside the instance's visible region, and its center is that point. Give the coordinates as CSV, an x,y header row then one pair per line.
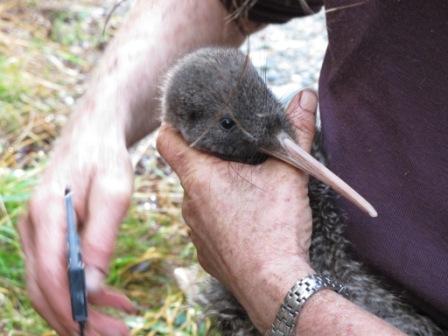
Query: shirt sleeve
x,y
271,11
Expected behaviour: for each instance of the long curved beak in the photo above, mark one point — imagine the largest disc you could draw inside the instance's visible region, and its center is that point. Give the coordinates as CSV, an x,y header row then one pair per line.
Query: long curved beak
x,y
293,154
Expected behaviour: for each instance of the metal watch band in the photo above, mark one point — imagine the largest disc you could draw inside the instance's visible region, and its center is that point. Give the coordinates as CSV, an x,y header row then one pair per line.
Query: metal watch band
x,y
285,321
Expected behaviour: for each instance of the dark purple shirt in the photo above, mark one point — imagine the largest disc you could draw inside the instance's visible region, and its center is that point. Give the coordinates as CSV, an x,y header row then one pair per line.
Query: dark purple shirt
x,y
384,106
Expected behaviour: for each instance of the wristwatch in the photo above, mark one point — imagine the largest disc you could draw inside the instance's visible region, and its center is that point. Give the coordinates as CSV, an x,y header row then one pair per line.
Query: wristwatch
x,y
285,321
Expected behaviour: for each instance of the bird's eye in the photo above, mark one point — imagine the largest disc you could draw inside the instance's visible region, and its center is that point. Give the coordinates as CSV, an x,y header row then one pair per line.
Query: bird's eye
x,y
227,123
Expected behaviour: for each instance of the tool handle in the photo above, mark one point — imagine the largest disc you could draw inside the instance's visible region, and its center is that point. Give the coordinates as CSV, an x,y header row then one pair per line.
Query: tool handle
x,y
75,268
77,284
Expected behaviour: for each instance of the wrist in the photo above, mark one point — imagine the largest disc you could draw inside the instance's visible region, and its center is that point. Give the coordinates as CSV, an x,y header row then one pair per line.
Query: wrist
x,y
267,287
95,119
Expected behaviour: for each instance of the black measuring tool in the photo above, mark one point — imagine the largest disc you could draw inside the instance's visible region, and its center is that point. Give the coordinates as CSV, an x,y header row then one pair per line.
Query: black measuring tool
x,y
76,274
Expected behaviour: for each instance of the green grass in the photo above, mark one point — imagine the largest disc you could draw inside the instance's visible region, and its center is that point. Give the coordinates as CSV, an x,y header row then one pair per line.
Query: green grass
x,y
17,314
35,57
67,27
11,83
15,191
12,87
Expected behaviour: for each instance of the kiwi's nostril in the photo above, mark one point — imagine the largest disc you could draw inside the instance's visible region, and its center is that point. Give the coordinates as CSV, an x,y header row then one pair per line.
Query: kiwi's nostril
x,y
226,123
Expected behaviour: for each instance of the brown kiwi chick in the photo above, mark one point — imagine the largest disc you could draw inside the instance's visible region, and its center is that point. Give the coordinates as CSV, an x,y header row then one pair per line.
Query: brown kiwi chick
x,y
217,100
220,105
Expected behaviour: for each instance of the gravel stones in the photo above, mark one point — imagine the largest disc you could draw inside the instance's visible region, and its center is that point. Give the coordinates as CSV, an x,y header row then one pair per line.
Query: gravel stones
x,y
289,56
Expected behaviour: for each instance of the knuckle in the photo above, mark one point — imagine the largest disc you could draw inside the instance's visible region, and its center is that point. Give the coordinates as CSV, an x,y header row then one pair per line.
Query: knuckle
x,y
191,212
118,188
185,208
192,182
202,262
206,265
163,143
179,157
160,140
186,211
176,156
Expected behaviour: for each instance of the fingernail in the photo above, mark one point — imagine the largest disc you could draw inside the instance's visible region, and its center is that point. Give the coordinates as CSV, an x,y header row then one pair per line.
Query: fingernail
x,y
94,279
308,101
136,308
131,308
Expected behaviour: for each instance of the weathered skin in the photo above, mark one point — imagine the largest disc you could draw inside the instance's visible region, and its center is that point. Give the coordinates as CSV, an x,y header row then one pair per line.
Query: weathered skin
x,y
204,91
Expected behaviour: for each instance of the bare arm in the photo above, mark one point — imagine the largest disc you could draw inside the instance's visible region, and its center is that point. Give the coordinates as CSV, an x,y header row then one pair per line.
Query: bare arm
x,y
325,314
124,87
328,313
119,107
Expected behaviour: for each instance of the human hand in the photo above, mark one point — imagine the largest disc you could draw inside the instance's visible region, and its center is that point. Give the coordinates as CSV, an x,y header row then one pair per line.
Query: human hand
x,y
90,157
251,225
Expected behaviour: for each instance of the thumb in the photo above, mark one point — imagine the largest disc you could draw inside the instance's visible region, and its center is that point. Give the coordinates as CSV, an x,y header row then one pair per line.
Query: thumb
x,y
109,199
301,113
173,148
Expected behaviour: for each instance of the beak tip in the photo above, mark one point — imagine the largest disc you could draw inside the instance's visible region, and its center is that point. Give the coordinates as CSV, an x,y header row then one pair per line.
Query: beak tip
x,y
373,213
296,156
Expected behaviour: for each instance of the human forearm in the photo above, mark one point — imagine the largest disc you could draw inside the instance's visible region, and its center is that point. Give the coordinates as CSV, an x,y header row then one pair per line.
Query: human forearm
x,y
328,313
123,91
325,313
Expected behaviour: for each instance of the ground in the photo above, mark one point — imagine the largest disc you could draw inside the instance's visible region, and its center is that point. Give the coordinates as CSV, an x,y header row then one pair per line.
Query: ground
x,y
46,51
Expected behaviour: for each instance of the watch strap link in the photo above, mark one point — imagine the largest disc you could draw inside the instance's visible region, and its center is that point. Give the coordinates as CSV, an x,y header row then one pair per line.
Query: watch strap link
x,y
285,321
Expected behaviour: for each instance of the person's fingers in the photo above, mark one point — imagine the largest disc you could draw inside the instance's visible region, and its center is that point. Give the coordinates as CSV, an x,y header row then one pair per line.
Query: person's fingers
x,y
47,267
108,201
49,262
106,325
40,304
50,241
301,112
181,157
38,301
203,257
111,298
26,233
89,331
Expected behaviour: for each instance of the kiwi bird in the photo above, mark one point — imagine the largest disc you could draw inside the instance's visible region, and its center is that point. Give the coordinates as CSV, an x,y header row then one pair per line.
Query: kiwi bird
x,y
220,104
